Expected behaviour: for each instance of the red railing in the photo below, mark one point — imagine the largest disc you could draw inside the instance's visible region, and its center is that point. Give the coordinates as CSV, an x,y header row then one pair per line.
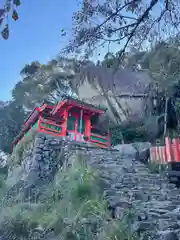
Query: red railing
x,y
166,154
47,129
98,141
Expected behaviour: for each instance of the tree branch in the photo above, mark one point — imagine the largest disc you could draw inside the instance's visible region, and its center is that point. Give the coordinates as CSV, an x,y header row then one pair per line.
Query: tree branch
x,y
140,20
115,13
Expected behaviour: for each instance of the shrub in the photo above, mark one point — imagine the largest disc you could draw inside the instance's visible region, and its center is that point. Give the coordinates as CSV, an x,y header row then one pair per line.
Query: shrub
x,y
156,168
130,132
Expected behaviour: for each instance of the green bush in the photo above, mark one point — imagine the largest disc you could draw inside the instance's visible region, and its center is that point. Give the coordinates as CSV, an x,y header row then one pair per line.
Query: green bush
x,y
130,132
156,168
16,222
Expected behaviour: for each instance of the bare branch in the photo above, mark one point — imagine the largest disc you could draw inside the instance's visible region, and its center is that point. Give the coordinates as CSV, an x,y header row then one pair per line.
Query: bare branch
x,y
135,24
145,14
115,13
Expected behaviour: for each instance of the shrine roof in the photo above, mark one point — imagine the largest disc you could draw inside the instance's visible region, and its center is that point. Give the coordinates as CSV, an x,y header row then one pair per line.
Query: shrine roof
x,y
80,102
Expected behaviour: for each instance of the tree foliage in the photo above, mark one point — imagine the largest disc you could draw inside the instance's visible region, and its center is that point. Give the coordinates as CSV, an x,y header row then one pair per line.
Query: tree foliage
x,y
129,60
129,132
44,82
12,117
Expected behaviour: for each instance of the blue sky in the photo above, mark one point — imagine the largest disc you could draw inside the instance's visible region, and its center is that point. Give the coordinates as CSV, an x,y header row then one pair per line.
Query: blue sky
x,y
35,36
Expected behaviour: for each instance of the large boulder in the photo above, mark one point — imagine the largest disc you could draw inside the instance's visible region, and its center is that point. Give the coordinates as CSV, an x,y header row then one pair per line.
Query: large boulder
x,y
143,151
138,150
126,150
141,146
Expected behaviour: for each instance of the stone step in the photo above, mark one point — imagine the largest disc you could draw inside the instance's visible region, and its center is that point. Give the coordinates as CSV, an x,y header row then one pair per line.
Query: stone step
x,y
169,205
109,192
108,165
148,186
101,160
142,175
110,174
106,155
105,177
116,202
151,180
146,225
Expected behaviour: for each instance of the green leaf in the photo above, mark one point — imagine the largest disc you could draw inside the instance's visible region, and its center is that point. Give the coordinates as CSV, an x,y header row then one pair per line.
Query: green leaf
x,y
17,2
15,15
5,32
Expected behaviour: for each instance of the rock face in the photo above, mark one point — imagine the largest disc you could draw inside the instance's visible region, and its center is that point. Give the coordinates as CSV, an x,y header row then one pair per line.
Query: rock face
x,y
101,86
126,183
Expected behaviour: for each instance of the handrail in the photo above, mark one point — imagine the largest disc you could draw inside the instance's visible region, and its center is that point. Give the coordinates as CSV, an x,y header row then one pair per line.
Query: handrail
x,y
54,124
97,135
54,133
96,141
49,129
102,146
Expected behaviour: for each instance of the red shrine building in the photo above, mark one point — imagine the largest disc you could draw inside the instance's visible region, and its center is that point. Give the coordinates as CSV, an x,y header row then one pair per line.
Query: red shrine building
x,y
70,118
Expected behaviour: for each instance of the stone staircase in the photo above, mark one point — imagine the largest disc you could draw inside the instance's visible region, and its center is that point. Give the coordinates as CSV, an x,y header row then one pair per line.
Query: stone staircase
x,y
129,184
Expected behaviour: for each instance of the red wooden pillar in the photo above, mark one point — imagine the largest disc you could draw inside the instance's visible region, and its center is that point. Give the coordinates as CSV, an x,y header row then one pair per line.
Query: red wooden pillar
x,y
176,150
88,126
39,123
109,139
168,149
64,126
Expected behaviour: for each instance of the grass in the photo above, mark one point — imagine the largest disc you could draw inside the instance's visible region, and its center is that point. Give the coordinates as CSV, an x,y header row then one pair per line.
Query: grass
x,y
73,208
156,168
